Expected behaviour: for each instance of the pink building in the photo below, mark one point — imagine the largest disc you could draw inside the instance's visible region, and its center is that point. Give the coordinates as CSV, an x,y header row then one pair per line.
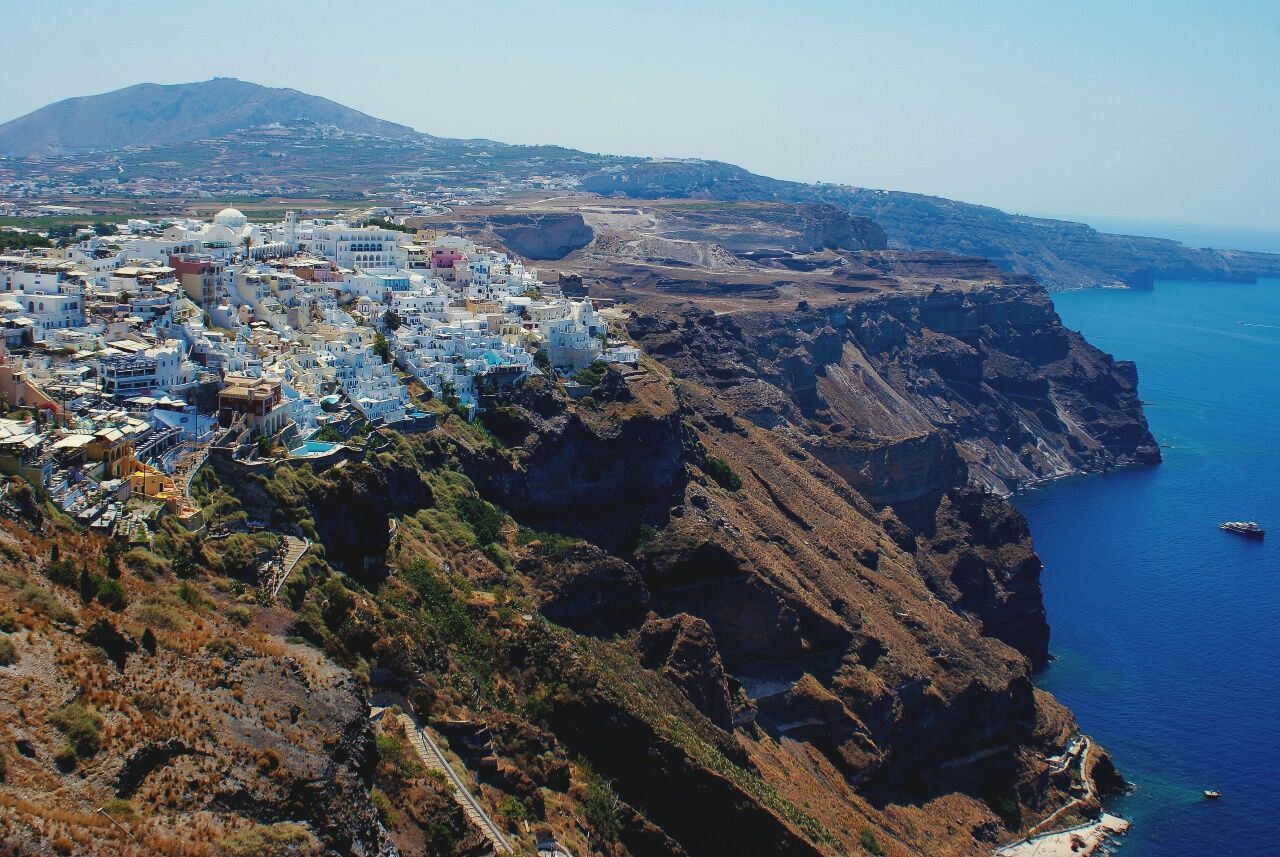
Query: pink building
x,y
444,257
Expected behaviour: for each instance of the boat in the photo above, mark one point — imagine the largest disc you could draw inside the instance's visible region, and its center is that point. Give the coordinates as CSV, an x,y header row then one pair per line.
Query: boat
x,y
1210,794
1248,529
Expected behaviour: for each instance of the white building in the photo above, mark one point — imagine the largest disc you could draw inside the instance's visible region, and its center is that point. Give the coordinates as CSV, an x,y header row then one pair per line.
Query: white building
x,y
359,246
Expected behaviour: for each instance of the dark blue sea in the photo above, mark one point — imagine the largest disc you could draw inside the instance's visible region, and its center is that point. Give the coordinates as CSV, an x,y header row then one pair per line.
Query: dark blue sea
x,y
1165,630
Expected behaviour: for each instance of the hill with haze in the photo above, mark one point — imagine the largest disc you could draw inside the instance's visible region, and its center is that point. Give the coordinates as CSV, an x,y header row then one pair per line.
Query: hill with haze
x,y
151,114
229,138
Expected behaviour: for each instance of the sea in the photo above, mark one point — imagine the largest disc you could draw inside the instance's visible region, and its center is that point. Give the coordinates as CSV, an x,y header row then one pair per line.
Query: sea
x,y
1166,630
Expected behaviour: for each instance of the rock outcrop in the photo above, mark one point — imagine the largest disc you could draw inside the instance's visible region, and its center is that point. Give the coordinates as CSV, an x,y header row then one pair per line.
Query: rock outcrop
x,y
683,649
542,236
881,386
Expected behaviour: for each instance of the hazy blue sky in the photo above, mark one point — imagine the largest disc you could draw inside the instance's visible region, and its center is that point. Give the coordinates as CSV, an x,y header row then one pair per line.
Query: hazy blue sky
x,y
1162,111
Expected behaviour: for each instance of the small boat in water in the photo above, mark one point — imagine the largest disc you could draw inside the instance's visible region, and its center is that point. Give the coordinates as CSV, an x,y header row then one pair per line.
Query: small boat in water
x,y
1210,794
1249,529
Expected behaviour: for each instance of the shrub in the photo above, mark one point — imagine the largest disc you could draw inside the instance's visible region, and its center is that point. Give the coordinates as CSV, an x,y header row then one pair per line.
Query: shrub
x,y
483,518
65,757
498,555
589,376
88,585
646,534
552,545
719,470
329,434
8,655
61,572
118,807
224,649
239,614
395,760
191,596
43,601
600,808
382,804
145,563
513,811
112,595
285,839
156,614
82,726
869,842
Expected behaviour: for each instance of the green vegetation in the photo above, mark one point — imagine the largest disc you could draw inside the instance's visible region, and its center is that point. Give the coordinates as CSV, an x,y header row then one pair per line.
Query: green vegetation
x,y
166,617
444,611
190,596
60,222
44,601
118,808
382,804
719,470
383,223
869,842
82,726
329,434
484,519
145,563
285,839
513,811
112,595
61,571
589,376
8,655
381,347
114,645
552,545
600,806
239,614
22,241
395,760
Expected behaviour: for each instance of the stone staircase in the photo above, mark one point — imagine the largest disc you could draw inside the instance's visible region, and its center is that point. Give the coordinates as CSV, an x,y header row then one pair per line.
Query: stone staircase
x,y
277,570
434,758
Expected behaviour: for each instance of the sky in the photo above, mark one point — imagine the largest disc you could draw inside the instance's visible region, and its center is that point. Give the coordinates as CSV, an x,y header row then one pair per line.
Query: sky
x,y
1135,111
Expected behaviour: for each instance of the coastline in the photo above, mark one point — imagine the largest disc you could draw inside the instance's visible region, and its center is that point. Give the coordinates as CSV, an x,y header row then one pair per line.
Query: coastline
x,y
1170,669
1079,841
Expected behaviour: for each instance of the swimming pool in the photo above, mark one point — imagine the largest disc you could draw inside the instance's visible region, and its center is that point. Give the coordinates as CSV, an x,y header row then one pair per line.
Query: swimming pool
x,y
312,447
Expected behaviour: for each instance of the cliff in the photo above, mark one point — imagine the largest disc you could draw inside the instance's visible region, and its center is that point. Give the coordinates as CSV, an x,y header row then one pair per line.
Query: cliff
x,y
750,595
879,387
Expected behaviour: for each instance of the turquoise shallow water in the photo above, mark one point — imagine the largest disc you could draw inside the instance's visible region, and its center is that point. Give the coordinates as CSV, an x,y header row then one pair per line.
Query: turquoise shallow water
x,y
1166,631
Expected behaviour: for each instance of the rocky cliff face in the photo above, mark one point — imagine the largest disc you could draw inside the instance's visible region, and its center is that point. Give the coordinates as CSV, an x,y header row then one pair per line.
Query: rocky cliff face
x,y
542,236
893,390
884,642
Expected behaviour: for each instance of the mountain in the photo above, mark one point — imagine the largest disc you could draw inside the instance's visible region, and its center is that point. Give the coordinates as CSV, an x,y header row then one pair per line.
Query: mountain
x,y
164,142
152,114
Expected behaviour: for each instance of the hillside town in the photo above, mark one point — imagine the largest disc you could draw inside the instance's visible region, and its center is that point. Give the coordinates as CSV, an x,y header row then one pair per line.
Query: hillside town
x,y
128,356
